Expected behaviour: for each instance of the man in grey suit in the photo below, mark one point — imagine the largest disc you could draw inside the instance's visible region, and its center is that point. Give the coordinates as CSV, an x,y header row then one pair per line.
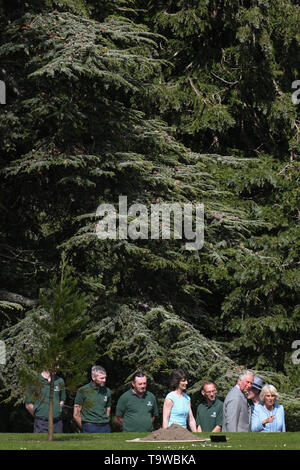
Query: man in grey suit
x,y
236,410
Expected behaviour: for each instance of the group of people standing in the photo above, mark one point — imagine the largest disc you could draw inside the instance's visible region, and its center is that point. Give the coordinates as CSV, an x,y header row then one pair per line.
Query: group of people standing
x,y
249,406
264,414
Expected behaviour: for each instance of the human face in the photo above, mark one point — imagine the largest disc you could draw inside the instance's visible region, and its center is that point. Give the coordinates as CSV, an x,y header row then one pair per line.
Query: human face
x,y
246,384
254,391
139,385
209,392
269,399
182,385
99,379
253,394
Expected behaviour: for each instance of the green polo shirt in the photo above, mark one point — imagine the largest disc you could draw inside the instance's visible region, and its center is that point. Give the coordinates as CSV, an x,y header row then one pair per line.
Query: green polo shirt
x,y
94,402
137,412
210,416
39,396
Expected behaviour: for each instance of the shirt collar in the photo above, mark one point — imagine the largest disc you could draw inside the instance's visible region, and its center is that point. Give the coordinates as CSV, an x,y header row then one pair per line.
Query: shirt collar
x,y
144,394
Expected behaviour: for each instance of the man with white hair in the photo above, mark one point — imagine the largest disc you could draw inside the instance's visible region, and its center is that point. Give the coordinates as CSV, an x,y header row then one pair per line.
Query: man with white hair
x,y
236,409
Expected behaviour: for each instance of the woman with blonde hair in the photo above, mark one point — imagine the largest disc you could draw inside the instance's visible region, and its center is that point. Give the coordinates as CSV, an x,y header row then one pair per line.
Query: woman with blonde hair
x,y
268,416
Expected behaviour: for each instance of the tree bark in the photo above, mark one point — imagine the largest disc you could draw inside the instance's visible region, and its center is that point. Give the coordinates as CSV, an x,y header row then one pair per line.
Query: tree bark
x,y
50,416
16,298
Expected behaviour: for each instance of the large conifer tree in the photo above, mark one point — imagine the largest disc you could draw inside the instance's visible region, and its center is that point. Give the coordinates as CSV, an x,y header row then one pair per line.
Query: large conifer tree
x,y
82,126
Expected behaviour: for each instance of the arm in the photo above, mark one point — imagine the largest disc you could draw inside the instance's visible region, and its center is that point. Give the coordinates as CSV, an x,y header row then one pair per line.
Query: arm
x,y
199,429
29,399
120,411
63,394
232,413
155,410
29,408
281,419
108,403
77,415
191,420
168,404
219,420
119,421
257,422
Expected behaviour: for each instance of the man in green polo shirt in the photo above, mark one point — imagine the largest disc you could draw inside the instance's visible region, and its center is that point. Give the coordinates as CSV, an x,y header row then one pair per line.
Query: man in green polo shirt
x,y
137,408
92,404
37,403
209,416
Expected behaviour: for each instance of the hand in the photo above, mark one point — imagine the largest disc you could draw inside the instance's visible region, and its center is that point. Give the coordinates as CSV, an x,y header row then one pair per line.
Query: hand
x,y
29,408
270,419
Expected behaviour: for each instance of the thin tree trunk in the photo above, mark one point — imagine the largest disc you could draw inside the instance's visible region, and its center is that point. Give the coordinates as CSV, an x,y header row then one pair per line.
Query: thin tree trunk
x,y
50,416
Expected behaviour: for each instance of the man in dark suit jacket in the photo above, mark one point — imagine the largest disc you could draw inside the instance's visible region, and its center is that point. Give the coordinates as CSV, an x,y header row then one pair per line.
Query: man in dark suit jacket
x,y
236,410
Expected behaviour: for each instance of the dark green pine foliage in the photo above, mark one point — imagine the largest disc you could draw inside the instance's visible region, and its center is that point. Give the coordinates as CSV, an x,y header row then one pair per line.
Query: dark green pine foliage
x,y
229,89
77,139
232,68
58,341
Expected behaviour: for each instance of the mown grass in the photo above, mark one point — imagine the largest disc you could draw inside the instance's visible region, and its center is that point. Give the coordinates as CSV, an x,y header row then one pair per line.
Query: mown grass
x,y
117,442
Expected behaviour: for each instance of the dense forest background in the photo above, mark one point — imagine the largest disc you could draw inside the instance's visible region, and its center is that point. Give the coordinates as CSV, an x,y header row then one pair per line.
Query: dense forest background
x,y
161,101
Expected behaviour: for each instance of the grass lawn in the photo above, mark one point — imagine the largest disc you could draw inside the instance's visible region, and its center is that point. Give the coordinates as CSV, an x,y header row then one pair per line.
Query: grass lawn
x,y
117,442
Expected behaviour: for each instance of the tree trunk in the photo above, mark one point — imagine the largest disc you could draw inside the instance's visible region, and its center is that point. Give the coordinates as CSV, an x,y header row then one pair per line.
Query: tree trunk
x,y
17,298
50,416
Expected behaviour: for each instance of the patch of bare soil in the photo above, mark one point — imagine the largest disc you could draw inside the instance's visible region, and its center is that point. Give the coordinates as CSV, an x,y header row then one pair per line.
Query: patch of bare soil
x,y
172,433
